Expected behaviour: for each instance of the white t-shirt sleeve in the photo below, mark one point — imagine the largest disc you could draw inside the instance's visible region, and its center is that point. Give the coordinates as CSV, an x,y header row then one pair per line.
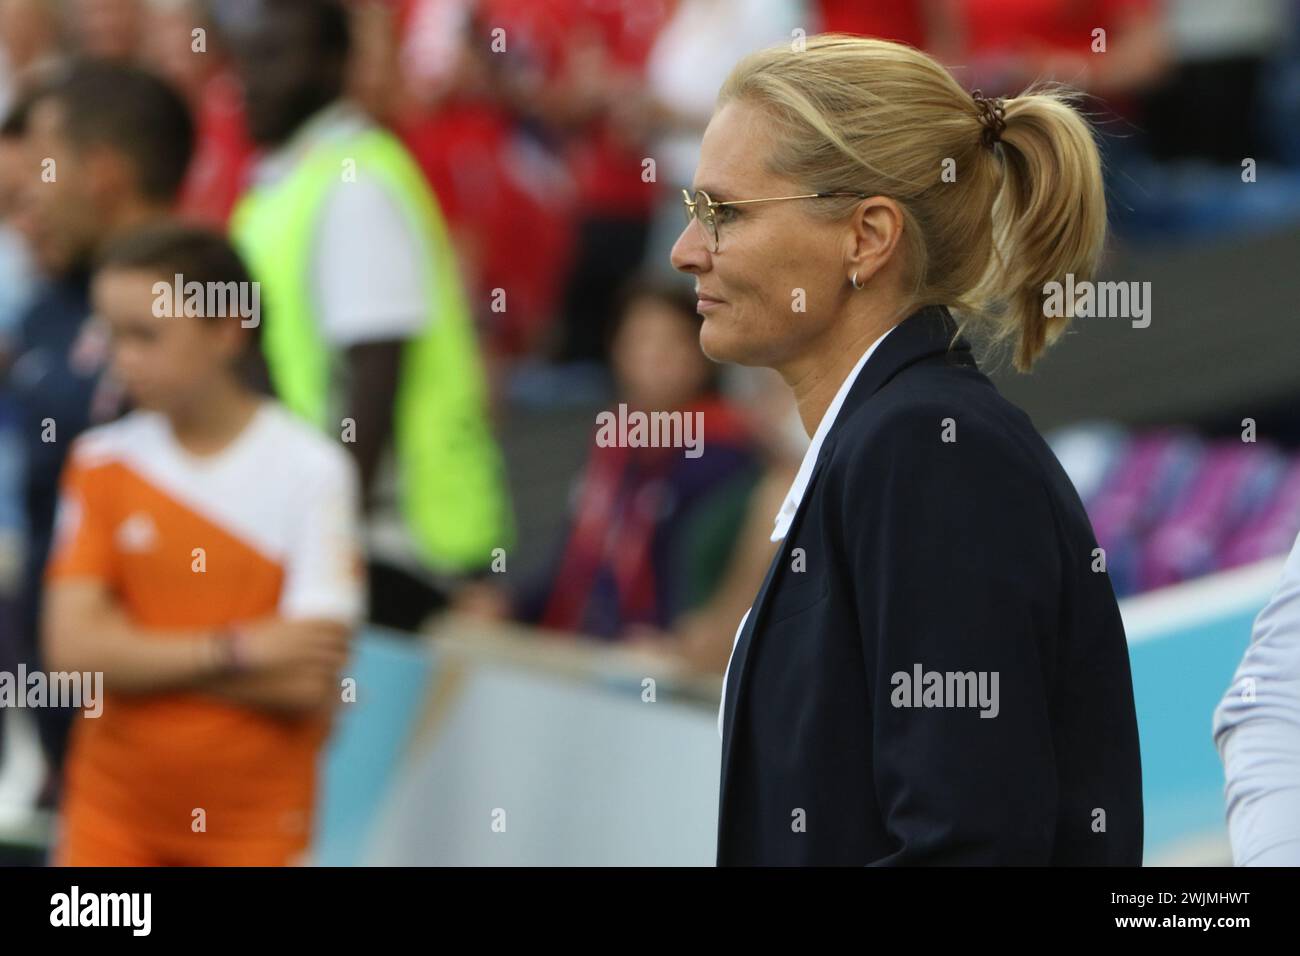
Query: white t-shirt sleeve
x,y
324,571
1257,731
370,267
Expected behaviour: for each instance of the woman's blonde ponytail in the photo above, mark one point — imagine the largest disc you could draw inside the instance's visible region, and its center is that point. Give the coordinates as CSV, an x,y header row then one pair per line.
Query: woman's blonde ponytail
x,y
1049,218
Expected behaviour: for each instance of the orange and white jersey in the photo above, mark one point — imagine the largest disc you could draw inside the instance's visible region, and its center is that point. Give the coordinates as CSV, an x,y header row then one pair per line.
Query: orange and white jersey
x,y
186,544
269,525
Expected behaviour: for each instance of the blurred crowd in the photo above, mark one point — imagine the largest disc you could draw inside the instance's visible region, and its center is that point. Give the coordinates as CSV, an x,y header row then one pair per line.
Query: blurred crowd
x,y
1169,505
511,248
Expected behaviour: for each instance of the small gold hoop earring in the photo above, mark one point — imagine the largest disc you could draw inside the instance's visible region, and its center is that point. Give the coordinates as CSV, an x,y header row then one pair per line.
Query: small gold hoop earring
x,y
854,280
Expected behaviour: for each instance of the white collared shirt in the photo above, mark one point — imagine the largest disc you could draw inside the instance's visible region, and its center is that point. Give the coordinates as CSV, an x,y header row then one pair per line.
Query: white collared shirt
x,y
794,497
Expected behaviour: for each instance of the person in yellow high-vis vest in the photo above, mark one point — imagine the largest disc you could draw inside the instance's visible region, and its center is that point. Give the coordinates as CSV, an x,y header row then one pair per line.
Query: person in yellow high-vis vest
x,y
366,329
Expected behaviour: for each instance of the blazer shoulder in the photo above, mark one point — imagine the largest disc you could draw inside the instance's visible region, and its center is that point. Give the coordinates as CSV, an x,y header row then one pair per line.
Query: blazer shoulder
x,y
955,407
945,439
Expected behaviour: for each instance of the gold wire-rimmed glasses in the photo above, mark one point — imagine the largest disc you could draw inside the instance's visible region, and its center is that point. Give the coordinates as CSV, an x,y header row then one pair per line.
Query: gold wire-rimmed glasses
x,y
709,218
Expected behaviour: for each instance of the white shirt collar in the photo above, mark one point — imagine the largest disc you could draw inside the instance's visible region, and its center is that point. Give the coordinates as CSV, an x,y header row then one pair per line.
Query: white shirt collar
x,y
793,498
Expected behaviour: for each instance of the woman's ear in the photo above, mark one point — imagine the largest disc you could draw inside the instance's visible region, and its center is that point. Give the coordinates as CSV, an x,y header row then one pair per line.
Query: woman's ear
x,y
875,230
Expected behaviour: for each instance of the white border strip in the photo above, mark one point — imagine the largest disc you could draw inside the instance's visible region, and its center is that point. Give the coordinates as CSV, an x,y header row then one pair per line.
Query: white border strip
x,y
1191,603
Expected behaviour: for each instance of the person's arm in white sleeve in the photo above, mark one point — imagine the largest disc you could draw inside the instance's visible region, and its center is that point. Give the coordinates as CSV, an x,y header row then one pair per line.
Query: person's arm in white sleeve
x,y
1257,732
325,574
323,595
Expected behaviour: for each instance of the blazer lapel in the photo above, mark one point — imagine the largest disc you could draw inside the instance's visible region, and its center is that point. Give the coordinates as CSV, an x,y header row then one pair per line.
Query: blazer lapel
x,y
736,672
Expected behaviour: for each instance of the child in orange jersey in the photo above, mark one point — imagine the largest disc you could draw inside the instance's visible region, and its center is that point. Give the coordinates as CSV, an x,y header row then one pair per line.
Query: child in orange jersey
x,y
206,562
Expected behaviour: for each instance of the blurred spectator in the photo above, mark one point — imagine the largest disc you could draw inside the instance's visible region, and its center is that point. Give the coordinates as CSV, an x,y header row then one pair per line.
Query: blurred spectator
x,y
691,57
15,290
703,636
602,58
1274,524
15,260
374,78
367,330
1002,46
437,48
1168,506
1233,482
106,29
183,46
497,171
651,532
107,149
1209,106
29,44
218,687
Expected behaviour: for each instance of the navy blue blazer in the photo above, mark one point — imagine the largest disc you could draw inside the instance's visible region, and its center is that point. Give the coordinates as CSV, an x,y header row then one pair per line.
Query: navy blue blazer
x,y
933,672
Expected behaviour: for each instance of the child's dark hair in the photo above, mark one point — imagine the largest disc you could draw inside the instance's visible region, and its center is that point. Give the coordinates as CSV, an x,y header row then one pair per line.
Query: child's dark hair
x,y
197,254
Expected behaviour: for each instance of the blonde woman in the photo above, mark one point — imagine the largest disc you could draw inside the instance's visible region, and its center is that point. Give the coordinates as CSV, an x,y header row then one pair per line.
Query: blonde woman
x,y
932,672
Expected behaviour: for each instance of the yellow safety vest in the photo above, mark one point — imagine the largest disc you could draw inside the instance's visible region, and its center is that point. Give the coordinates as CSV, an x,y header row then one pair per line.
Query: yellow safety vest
x,y
452,488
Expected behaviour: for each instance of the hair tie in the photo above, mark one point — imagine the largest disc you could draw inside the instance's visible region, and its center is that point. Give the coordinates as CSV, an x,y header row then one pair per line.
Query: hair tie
x,y
993,115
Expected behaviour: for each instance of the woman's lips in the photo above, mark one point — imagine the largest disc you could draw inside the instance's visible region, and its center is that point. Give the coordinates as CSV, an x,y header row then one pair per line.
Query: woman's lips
x,y
705,303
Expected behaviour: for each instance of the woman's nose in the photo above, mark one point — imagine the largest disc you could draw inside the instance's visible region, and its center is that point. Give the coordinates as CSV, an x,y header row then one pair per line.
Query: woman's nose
x,y
689,253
